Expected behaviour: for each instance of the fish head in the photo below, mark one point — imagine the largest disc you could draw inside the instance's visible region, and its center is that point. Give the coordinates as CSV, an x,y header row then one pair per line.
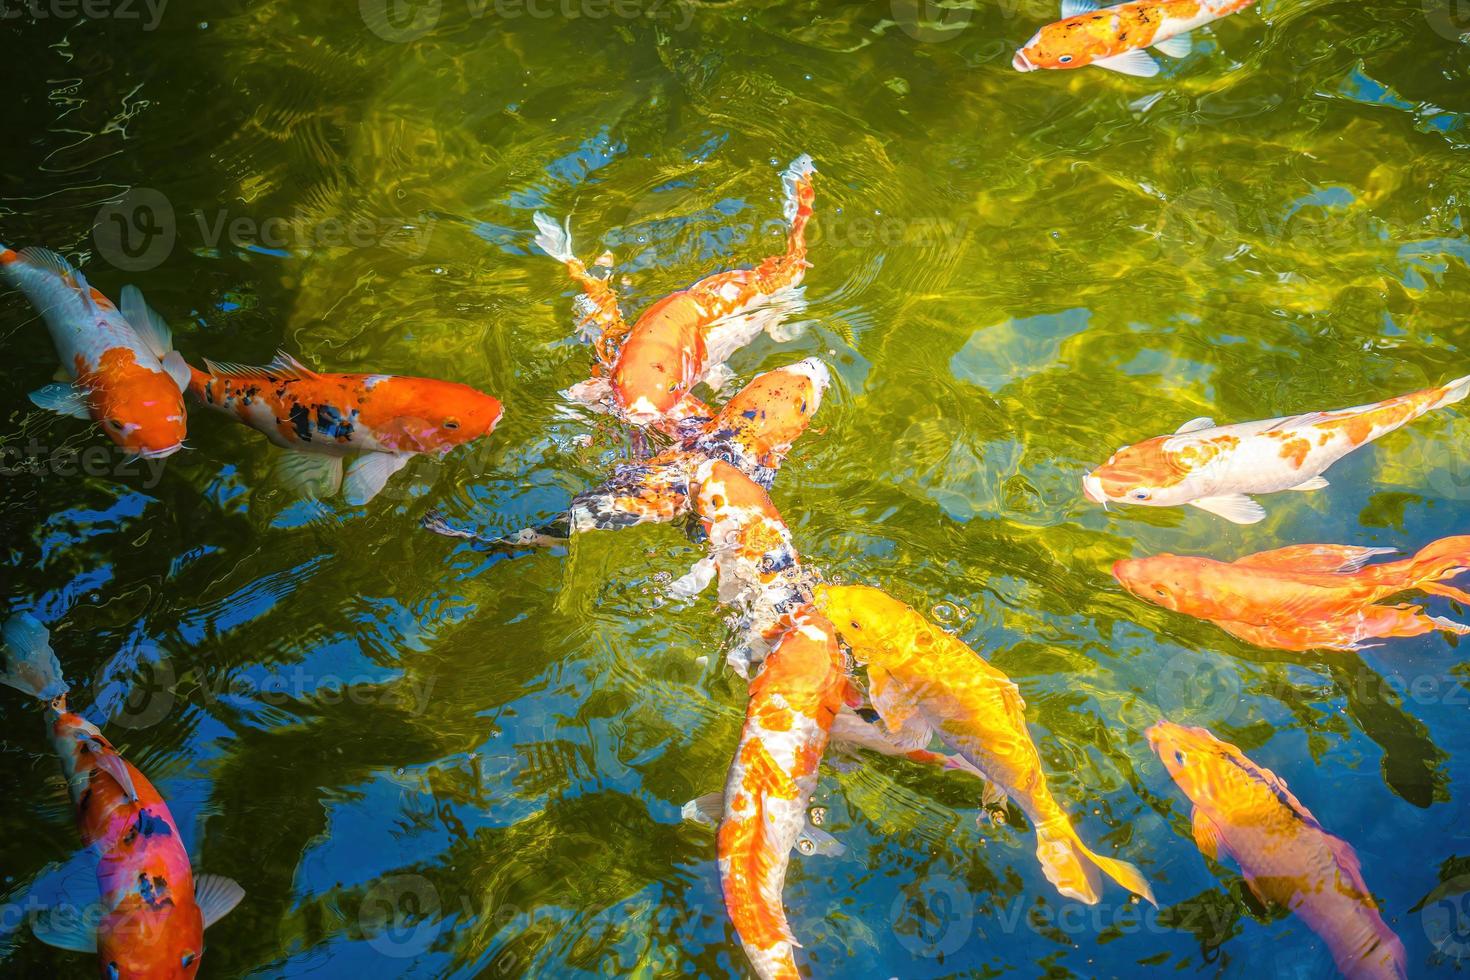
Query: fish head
x,y
138,405
152,933
863,616
1197,761
422,415
769,414
1146,474
1155,579
1070,43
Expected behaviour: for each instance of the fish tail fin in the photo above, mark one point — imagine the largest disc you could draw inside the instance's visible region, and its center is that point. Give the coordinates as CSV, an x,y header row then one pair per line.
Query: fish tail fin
x,y
796,181
1455,391
1073,868
1435,562
554,239
30,664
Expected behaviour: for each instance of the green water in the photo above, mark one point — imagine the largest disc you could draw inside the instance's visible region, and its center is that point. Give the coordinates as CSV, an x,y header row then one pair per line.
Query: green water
x,y
422,761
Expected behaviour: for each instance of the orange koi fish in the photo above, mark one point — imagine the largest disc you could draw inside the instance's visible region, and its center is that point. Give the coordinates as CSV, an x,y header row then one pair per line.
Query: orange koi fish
x,y
382,420
1214,467
679,339
753,432
1306,597
924,683
760,574
1116,37
1246,811
793,701
155,909
125,374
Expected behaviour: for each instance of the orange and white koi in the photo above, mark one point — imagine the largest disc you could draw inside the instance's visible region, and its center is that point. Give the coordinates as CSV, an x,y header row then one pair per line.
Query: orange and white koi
x,y
1306,597
1215,467
1245,811
1116,37
125,374
926,683
383,420
154,908
793,701
680,339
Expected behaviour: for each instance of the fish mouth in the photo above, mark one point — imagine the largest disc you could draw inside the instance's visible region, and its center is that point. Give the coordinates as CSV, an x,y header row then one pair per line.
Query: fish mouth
x,y
1093,491
163,453
1022,63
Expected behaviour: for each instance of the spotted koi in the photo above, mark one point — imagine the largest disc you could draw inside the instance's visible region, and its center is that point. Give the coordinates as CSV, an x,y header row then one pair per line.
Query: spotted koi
x,y
1116,37
125,374
154,908
1214,467
680,339
382,420
1246,812
926,683
1306,597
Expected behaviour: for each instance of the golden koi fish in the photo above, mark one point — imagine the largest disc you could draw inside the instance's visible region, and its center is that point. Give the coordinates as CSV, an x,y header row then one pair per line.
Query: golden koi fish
x,y
925,682
1214,467
1116,37
1246,811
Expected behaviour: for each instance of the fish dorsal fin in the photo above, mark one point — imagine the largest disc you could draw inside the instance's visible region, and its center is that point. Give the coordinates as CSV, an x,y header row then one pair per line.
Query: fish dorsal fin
x,y
1177,46
1194,425
63,398
1136,62
283,366
1296,421
65,929
216,896
45,259
146,323
112,764
1347,860
1206,835
1072,8
1314,558
1234,507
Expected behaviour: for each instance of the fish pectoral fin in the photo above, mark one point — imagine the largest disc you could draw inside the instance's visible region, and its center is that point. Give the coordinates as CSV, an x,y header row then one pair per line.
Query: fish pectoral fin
x,y
369,473
708,809
1206,835
216,896
112,764
1234,507
1194,425
1136,62
177,369
717,376
1177,46
993,794
1071,8
815,840
151,328
694,581
1315,483
63,399
65,930
310,475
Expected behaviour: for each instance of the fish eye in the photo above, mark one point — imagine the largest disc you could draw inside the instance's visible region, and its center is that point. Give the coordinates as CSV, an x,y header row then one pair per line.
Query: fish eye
x,y
188,959
1065,59
451,424
855,626
1140,495
1161,592
116,424
1179,756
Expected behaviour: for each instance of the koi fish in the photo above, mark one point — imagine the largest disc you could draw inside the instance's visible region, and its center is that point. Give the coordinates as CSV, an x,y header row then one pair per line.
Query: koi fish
x,y
760,574
1116,37
125,374
382,420
1288,859
679,339
1214,467
155,908
924,683
793,701
1306,597
753,432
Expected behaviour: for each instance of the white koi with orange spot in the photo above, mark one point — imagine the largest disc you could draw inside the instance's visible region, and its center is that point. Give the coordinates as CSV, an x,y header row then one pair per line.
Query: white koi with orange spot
x,y
125,374
1214,467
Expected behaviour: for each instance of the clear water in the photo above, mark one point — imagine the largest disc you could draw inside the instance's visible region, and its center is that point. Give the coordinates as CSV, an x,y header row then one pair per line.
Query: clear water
x,y
421,762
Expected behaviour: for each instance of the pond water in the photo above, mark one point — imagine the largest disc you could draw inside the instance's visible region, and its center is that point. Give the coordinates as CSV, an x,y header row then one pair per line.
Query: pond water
x,y
423,761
